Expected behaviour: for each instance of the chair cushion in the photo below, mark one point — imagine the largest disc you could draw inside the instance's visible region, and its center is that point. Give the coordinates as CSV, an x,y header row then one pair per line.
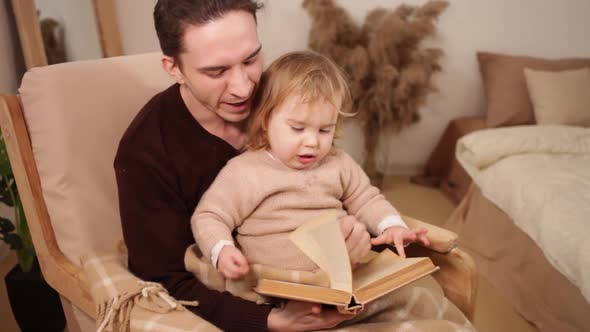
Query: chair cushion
x,y
76,114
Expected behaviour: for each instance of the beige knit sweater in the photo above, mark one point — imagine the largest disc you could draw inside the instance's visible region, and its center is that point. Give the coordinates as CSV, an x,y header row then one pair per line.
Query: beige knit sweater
x,y
265,200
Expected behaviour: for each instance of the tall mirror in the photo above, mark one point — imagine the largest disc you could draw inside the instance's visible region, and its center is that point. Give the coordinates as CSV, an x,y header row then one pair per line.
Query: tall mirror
x,y
55,31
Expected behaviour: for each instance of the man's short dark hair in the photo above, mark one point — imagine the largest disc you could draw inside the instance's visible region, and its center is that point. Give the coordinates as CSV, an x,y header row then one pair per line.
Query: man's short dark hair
x,y
172,17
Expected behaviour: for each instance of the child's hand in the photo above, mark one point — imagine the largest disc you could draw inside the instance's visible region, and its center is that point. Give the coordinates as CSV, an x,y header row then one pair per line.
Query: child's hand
x,y
356,237
232,263
401,236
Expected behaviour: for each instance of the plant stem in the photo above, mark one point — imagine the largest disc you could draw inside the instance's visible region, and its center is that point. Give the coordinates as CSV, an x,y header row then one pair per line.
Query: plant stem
x,y
26,255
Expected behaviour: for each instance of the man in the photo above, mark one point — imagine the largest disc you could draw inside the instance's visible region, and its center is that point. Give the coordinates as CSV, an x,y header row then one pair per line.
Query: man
x,y
178,143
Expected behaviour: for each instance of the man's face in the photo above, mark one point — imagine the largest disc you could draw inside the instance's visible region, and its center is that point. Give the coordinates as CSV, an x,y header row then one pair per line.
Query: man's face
x,y
221,66
301,134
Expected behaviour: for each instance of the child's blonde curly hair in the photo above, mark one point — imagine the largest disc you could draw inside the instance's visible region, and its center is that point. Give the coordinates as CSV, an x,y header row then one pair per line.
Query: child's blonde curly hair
x,y
310,75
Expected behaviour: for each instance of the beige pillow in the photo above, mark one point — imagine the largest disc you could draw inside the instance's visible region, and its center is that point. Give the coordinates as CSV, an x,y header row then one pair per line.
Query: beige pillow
x,y
561,97
505,87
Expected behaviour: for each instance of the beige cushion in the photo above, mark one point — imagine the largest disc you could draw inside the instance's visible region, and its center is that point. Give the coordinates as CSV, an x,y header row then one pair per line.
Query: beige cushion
x,y
560,97
76,113
508,101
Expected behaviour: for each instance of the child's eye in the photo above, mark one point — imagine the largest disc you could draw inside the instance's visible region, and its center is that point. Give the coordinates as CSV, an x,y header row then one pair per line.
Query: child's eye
x,y
297,128
325,131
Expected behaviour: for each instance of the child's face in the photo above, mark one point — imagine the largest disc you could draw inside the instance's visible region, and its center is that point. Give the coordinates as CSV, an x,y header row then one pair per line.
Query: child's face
x,y
301,134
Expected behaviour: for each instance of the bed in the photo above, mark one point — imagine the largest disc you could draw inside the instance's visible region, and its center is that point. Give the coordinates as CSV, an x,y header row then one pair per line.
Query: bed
x,y
526,219
526,216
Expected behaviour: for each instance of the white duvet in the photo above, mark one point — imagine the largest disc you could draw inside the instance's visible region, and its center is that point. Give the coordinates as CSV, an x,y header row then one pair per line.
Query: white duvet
x,y
540,177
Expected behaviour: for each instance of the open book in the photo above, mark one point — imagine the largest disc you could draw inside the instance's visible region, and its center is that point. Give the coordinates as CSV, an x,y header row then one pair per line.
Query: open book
x,y
380,274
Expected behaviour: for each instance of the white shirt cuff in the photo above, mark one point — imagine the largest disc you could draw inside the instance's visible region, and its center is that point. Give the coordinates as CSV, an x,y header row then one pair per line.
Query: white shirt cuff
x,y
217,249
394,220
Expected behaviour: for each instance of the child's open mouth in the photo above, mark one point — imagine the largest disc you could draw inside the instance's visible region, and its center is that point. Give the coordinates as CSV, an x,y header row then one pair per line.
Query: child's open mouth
x,y
306,158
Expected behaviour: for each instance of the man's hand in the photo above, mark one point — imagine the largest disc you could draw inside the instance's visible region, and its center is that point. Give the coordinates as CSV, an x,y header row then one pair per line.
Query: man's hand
x,y
356,237
232,263
304,316
401,236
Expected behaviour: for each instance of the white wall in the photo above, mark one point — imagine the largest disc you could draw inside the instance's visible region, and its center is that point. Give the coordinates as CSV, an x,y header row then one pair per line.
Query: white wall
x,y
545,28
79,22
136,24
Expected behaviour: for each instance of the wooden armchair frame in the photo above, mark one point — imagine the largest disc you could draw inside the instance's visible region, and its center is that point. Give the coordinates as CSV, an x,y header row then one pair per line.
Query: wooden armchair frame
x,y
457,276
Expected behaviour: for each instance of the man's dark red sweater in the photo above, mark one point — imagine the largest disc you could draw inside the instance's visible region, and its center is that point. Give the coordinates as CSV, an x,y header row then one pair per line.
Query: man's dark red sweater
x,y
164,164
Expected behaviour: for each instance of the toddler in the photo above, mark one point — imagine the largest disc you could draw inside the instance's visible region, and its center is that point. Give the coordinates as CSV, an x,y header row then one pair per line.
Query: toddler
x,y
291,173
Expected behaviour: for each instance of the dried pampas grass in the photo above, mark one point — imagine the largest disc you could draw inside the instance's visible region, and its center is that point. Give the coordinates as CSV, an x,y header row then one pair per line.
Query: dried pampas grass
x,y
389,74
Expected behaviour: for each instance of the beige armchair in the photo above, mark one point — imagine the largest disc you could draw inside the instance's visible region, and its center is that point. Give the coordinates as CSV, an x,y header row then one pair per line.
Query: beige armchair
x,y
62,133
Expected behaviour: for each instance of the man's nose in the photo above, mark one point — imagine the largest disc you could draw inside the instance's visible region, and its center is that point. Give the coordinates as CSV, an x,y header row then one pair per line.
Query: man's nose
x,y
240,84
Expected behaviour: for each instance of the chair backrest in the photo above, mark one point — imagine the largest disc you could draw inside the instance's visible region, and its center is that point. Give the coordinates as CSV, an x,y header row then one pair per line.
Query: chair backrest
x,y
76,114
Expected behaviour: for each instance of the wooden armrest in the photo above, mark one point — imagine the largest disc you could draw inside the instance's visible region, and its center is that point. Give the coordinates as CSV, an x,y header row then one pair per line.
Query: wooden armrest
x,y
441,240
457,276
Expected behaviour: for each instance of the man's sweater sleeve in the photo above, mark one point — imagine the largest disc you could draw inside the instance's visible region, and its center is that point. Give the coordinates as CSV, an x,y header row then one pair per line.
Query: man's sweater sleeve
x,y
156,229
224,206
362,199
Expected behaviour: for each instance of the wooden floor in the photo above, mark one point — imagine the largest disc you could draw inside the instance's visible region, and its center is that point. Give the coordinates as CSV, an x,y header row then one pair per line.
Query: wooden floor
x,y
492,312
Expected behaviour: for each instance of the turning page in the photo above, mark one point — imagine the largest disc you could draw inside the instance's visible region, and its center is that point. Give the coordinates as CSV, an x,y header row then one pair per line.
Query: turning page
x,y
322,241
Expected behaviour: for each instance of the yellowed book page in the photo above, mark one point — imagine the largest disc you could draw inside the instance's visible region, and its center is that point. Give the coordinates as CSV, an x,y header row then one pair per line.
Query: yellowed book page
x,y
301,292
394,281
384,264
368,257
322,241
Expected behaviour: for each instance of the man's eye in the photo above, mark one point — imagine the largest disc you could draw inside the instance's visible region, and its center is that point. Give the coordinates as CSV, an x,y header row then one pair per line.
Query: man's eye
x,y
215,74
297,128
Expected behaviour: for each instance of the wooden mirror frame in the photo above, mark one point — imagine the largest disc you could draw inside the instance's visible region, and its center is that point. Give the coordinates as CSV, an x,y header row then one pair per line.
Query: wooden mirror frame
x,y
29,31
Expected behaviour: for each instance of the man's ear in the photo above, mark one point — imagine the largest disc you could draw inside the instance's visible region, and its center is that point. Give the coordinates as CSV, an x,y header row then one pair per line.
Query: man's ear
x,y
172,67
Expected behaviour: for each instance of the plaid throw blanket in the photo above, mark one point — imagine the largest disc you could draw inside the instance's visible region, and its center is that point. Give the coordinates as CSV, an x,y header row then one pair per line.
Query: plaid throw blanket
x,y
126,303
202,269
418,307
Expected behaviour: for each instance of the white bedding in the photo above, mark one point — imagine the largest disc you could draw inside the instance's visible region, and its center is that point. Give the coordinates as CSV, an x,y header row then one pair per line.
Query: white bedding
x,y
540,177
